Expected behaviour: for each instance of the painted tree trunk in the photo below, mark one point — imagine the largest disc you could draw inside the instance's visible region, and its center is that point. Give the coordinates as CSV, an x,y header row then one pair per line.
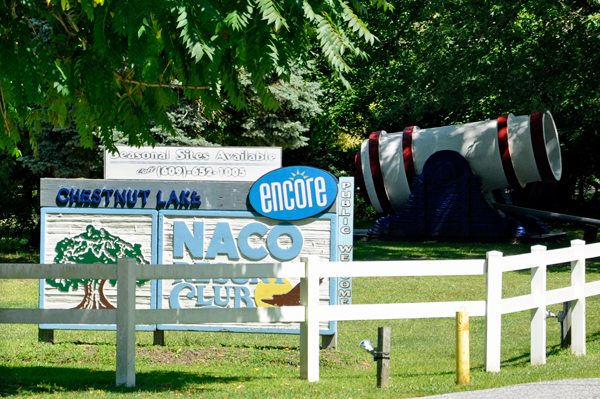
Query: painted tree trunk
x,y
94,296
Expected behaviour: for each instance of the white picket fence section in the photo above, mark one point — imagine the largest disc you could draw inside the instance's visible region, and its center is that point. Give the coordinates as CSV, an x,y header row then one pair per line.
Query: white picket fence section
x,y
310,313
539,298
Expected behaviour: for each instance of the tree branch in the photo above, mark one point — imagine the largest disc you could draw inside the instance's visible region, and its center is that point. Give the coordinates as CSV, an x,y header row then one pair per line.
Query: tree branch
x,y
3,111
165,85
62,23
43,42
74,26
165,70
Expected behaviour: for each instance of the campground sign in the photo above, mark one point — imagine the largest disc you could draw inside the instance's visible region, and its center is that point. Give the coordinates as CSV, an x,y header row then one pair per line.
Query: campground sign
x,y
285,214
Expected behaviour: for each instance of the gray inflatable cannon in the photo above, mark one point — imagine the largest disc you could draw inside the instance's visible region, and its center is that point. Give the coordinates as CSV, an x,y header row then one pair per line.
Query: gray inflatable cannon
x,y
510,151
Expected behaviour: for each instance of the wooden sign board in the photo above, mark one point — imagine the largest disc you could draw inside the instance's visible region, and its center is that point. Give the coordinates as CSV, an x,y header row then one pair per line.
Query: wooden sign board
x,y
204,237
136,194
88,221
191,163
95,236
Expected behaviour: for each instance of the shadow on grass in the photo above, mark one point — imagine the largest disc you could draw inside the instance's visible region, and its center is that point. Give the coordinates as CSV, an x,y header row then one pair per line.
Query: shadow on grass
x,y
423,374
36,380
525,358
265,347
553,350
593,337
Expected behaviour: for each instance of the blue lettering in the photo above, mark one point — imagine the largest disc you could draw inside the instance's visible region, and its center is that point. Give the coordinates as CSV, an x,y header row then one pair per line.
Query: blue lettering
x,y
222,242
278,280
245,248
97,196
174,296
195,199
218,300
201,301
297,241
144,194
85,196
120,197
184,200
255,280
242,293
63,195
182,236
173,198
132,199
159,199
108,194
74,196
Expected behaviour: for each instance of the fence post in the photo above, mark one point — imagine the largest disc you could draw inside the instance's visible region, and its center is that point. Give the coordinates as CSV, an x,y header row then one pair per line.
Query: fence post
x,y
565,325
382,355
309,329
493,310
463,356
538,313
578,305
126,322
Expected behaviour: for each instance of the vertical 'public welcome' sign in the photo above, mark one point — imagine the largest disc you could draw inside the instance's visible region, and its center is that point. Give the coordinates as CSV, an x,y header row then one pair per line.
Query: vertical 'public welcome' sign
x,y
280,215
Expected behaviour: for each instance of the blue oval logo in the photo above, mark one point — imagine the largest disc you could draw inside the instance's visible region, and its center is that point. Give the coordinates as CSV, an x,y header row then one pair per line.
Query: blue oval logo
x,y
293,193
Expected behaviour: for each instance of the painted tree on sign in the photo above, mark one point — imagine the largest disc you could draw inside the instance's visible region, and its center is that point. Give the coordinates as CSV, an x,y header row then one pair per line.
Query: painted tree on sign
x,y
93,246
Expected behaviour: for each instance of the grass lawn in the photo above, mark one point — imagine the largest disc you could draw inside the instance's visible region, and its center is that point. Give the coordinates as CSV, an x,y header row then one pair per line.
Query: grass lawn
x,y
229,365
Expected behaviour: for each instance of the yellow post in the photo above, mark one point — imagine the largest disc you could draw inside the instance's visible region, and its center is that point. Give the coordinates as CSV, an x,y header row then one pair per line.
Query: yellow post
x,y
462,347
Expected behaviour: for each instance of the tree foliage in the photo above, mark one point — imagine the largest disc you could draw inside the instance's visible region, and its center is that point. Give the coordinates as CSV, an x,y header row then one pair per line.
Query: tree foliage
x,y
288,126
111,65
60,153
446,61
19,210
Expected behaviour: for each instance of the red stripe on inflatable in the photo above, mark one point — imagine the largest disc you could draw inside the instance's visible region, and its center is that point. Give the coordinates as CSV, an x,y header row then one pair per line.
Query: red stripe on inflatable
x,y
509,170
536,128
407,154
360,179
378,182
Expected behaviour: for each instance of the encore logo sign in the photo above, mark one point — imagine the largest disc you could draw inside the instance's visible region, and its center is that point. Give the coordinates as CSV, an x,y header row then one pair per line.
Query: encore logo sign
x,y
293,193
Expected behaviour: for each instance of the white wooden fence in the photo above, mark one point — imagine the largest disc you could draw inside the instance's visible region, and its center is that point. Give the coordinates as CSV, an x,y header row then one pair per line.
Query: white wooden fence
x,y
539,298
310,313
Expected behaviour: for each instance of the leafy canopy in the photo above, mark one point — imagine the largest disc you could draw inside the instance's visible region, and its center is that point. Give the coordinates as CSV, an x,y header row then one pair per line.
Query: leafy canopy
x,y
108,64
440,62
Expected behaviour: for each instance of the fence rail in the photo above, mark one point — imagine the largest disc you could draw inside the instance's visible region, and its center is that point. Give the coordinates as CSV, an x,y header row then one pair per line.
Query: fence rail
x,y
310,313
537,261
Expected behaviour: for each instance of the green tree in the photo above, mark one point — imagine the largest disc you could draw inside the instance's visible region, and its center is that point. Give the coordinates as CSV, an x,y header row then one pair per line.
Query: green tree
x,y
447,62
111,65
60,154
19,205
93,246
288,126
